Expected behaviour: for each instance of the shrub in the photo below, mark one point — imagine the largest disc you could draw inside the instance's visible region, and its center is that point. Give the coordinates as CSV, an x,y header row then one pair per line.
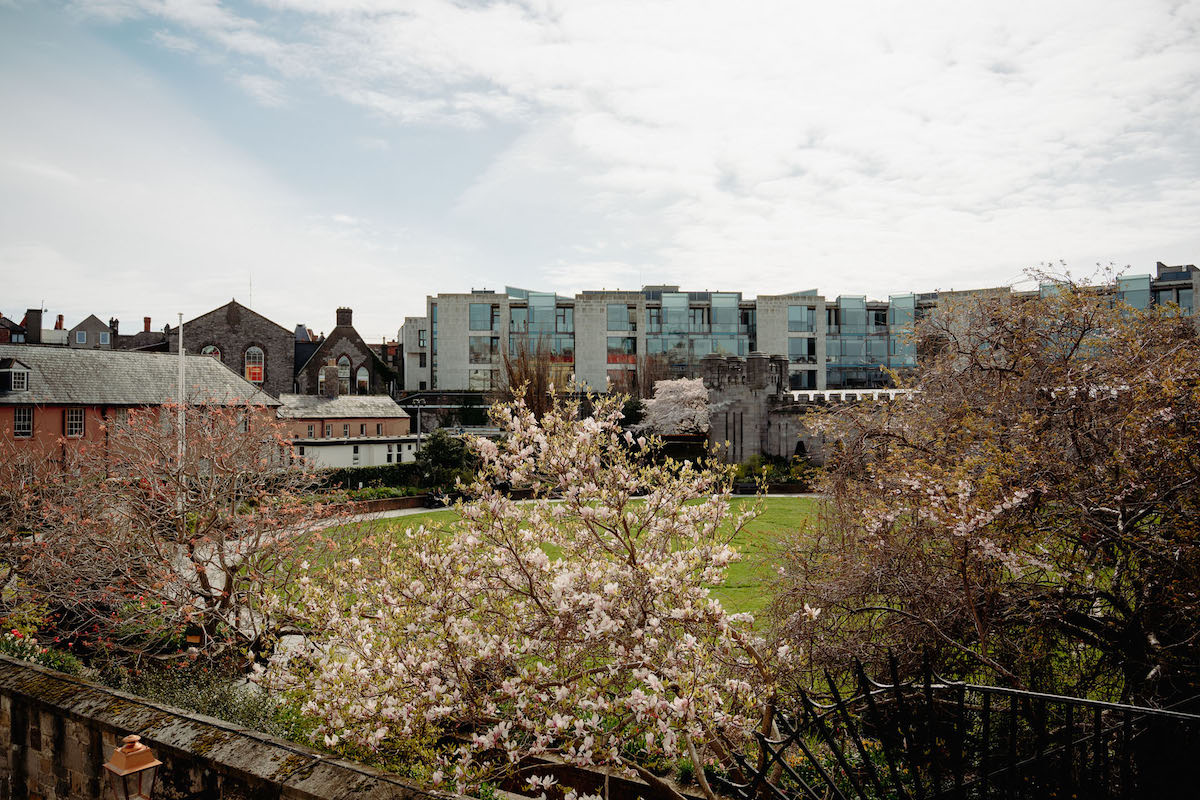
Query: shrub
x,y
27,648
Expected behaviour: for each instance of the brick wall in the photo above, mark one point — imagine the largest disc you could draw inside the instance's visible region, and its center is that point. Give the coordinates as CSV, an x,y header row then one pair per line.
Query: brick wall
x,y
56,731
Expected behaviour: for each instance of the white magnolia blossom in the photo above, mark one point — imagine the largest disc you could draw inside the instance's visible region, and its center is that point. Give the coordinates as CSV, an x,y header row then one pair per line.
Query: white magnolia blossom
x,y
579,628
679,406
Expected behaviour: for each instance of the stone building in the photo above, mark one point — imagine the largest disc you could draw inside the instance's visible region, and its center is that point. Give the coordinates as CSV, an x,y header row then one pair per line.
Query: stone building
x,y
92,333
248,343
360,369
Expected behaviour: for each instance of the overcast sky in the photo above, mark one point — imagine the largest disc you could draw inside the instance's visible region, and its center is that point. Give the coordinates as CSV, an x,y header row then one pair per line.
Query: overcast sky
x,y
160,156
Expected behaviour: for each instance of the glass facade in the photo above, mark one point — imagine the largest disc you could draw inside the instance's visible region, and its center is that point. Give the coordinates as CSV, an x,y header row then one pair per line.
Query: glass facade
x,y
801,319
1134,290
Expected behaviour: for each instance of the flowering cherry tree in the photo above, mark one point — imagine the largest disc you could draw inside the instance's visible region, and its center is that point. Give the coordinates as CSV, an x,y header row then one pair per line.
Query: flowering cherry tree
x,y
679,406
577,627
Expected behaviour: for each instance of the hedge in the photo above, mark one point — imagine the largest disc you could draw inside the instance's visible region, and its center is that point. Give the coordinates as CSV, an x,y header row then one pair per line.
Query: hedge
x,y
396,475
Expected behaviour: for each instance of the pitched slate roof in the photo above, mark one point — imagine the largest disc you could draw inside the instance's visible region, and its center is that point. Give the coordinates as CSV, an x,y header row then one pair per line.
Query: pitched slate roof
x,y
122,378
312,406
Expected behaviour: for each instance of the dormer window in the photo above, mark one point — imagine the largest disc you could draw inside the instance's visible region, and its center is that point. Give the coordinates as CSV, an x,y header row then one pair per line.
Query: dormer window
x,y
14,375
80,337
212,351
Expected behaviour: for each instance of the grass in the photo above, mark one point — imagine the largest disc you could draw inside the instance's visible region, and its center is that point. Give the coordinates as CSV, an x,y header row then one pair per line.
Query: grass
x,y
745,587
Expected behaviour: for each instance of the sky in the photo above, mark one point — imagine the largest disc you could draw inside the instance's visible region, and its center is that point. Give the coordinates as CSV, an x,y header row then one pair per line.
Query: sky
x,y
163,156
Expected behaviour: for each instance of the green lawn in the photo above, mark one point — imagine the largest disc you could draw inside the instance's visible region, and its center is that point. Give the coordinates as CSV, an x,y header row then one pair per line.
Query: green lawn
x,y
745,588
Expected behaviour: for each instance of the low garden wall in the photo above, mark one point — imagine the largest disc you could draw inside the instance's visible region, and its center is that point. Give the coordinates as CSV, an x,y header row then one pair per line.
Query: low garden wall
x,y
56,731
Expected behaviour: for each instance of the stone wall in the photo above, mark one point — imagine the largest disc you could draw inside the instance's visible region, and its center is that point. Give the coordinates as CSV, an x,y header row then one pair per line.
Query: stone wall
x,y
56,731
232,329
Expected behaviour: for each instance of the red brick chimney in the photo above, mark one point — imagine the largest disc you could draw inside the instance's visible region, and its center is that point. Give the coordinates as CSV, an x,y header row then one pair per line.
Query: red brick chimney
x,y
344,316
146,324
58,322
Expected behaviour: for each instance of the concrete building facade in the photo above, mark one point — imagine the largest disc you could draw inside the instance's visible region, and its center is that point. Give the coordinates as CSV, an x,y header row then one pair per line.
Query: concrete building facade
x,y
627,340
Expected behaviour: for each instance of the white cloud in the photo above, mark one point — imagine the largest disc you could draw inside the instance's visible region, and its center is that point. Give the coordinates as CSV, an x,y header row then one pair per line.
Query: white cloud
x,y
265,91
864,147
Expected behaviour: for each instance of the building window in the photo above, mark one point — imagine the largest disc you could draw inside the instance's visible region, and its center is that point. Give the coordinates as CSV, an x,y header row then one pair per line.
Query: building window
x,y
18,338
23,422
80,337
564,319
363,381
244,423
328,430
355,458
362,429
254,365
346,430
310,433
422,386
75,422
302,450
343,365
20,380
211,350
422,339
622,350
389,454
421,362
103,337
379,429
483,349
801,319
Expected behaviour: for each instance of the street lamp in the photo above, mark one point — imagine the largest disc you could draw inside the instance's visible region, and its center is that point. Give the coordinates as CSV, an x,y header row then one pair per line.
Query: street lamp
x,y
132,770
419,403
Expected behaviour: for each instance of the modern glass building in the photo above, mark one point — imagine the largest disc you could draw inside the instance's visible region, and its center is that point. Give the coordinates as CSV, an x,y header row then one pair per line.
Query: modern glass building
x,y
627,340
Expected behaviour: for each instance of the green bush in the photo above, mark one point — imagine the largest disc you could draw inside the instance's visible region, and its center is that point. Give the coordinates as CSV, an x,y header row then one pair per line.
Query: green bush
x,y
382,492
391,475
26,648
215,692
796,469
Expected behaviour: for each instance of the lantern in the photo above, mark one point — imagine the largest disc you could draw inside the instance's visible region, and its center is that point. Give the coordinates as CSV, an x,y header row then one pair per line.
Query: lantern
x,y
132,770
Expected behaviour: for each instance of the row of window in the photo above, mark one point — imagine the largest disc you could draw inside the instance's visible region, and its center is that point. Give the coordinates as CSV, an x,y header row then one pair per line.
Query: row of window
x,y
73,422
81,337
362,430
393,453
253,361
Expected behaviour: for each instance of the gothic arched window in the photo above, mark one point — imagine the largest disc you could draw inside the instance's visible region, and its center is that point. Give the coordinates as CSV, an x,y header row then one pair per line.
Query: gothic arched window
x,y
362,381
343,365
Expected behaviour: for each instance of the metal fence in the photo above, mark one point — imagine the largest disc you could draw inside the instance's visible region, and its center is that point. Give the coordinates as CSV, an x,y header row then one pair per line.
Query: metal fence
x,y
929,738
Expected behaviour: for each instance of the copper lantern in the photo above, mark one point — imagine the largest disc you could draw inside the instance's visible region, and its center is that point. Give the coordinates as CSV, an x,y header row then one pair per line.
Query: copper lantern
x,y
132,770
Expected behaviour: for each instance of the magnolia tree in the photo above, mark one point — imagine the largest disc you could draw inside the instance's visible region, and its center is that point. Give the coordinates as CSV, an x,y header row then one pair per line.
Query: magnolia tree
x,y
578,629
679,406
134,546
1031,514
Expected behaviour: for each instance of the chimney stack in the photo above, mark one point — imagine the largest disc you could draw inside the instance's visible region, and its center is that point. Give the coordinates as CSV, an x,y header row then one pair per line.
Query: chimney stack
x,y
329,379
113,324
146,324
344,316
33,325
58,322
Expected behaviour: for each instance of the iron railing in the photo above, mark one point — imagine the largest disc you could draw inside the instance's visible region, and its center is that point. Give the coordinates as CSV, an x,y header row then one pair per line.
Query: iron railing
x,y
929,738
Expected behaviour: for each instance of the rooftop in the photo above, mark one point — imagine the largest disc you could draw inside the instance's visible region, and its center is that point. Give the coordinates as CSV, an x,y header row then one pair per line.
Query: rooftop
x,y
344,406
64,376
